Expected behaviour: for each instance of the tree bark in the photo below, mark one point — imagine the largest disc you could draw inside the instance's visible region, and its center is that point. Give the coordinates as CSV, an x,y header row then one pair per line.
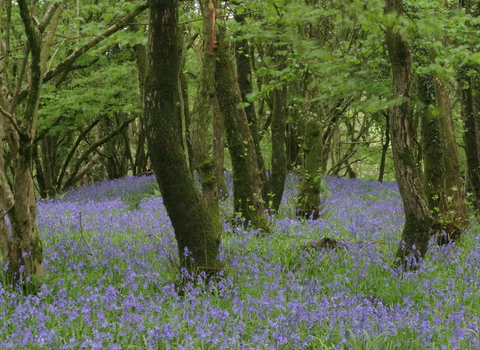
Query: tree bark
x,y
243,53
385,147
21,246
454,218
433,155
469,82
191,220
418,222
141,159
247,184
203,114
276,181
309,203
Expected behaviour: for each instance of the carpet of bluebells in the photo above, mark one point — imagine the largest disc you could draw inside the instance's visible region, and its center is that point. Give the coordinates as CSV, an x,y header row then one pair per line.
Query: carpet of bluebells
x,y
110,258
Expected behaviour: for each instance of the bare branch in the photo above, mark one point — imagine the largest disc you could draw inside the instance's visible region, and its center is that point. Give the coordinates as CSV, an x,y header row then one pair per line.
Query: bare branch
x,y
48,16
11,119
71,180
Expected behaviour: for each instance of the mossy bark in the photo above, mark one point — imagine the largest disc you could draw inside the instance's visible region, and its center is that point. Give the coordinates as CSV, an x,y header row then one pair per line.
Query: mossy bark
x,y
203,115
418,222
454,218
191,219
309,203
247,183
276,181
243,55
433,155
141,159
469,81
22,248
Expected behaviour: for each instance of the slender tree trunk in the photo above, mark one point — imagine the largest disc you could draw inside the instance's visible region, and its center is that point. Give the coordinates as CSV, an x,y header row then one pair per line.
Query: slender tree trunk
x,y
23,250
243,53
219,150
309,203
469,82
418,222
385,147
433,153
455,215
247,184
203,114
276,182
191,219
141,161
183,102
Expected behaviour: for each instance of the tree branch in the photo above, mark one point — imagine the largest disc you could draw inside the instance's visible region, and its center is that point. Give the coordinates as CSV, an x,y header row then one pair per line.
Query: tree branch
x,y
67,62
91,148
11,119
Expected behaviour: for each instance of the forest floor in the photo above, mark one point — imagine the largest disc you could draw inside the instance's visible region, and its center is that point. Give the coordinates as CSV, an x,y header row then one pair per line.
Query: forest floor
x,y
110,258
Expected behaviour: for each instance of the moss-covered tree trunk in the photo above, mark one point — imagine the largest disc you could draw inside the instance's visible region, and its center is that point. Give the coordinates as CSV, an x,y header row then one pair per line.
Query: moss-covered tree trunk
x,y
276,181
418,222
203,114
433,157
243,55
22,248
469,81
247,183
309,203
454,217
191,219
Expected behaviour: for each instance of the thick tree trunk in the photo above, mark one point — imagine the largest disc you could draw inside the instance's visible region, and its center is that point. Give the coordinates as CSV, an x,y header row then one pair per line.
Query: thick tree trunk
x,y
191,220
247,184
418,222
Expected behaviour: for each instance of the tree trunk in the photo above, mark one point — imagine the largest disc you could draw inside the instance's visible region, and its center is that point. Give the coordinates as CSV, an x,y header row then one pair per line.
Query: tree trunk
x,y
418,222
469,82
385,147
191,220
141,160
276,181
203,114
433,157
455,214
21,247
183,102
243,53
309,198
22,250
247,184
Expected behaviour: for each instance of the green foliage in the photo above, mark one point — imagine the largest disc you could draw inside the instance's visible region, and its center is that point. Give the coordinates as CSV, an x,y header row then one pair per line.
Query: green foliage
x,y
109,90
